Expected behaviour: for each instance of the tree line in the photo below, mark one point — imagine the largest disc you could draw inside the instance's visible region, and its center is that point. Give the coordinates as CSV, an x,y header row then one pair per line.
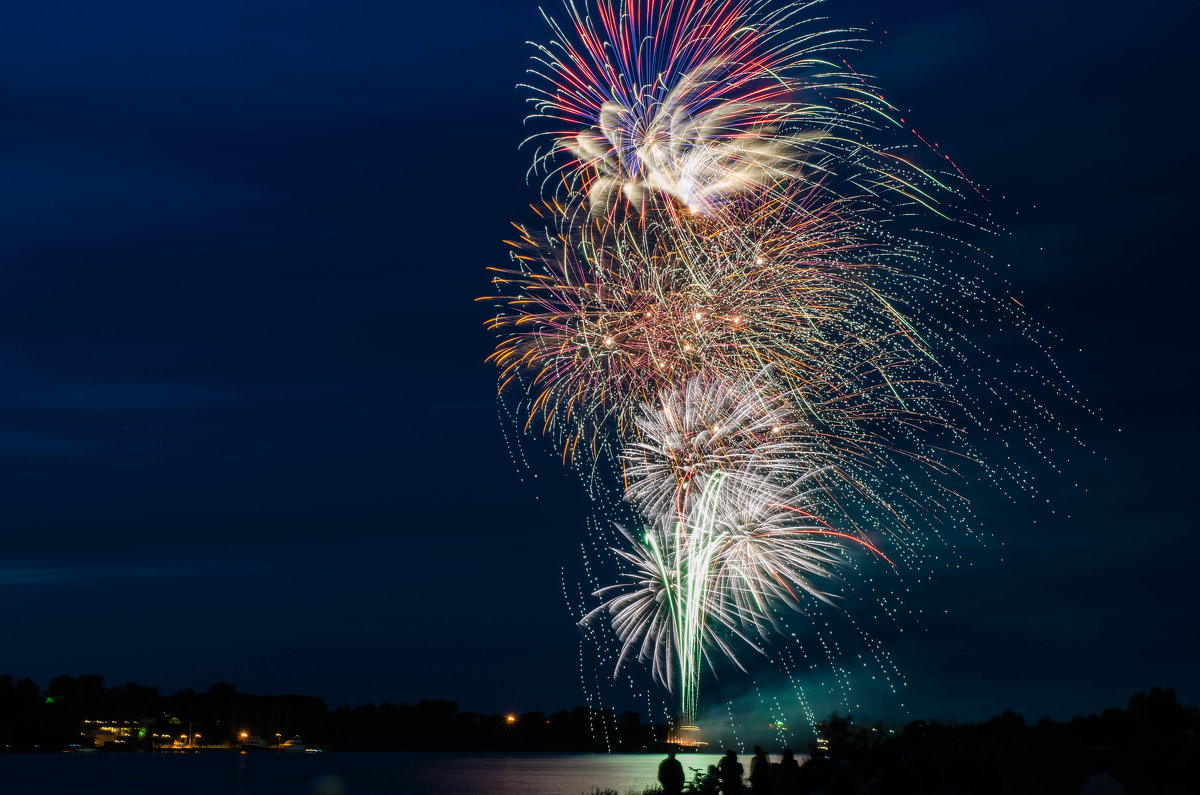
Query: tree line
x,y
58,718
1151,746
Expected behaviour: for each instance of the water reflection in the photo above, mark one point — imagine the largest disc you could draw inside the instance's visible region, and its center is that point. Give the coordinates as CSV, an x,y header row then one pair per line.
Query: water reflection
x,y
335,773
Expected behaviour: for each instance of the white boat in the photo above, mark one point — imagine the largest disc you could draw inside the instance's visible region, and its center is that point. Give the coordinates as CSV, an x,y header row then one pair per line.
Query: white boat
x,y
255,743
294,744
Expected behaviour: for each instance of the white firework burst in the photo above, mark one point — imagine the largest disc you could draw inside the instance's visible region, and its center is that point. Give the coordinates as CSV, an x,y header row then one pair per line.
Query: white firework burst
x,y
711,426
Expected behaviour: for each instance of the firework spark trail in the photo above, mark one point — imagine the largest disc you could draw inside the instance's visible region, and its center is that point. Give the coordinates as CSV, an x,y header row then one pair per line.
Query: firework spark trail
x,y
620,311
731,323
595,333
702,102
700,583
720,476
708,429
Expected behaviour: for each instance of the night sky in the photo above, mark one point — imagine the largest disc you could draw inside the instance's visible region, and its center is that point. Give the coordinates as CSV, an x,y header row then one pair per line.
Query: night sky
x,y
249,435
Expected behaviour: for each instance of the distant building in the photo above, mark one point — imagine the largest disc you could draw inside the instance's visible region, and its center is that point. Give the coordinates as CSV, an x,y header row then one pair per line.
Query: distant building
x,y
105,732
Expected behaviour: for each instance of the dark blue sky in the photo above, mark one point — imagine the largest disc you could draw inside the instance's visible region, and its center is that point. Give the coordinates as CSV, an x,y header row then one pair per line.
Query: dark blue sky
x,y
247,429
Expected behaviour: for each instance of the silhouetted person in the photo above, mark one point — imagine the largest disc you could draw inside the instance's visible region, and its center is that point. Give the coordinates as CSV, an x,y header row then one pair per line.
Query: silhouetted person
x,y
963,777
710,784
894,777
843,781
929,778
730,771
814,775
785,775
670,774
760,772
1102,782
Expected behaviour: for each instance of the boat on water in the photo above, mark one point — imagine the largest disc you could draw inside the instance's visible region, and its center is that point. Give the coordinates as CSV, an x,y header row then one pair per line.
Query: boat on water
x,y
295,745
255,743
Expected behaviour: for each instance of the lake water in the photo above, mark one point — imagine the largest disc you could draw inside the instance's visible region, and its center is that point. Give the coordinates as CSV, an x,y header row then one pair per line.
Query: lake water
x,y
332,773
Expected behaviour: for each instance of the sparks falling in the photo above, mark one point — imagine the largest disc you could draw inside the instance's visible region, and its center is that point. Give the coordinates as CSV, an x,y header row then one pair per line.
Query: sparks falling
x,y
717,310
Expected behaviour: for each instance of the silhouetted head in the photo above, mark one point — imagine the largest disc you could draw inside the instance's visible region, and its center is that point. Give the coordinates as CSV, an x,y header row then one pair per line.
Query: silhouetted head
x,y
671,753
788,755
730,754
758,749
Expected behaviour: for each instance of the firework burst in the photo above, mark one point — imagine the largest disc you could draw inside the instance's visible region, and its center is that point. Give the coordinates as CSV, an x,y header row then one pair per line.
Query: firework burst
x,y
730,312
716,574
693,105
599,322
707,430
